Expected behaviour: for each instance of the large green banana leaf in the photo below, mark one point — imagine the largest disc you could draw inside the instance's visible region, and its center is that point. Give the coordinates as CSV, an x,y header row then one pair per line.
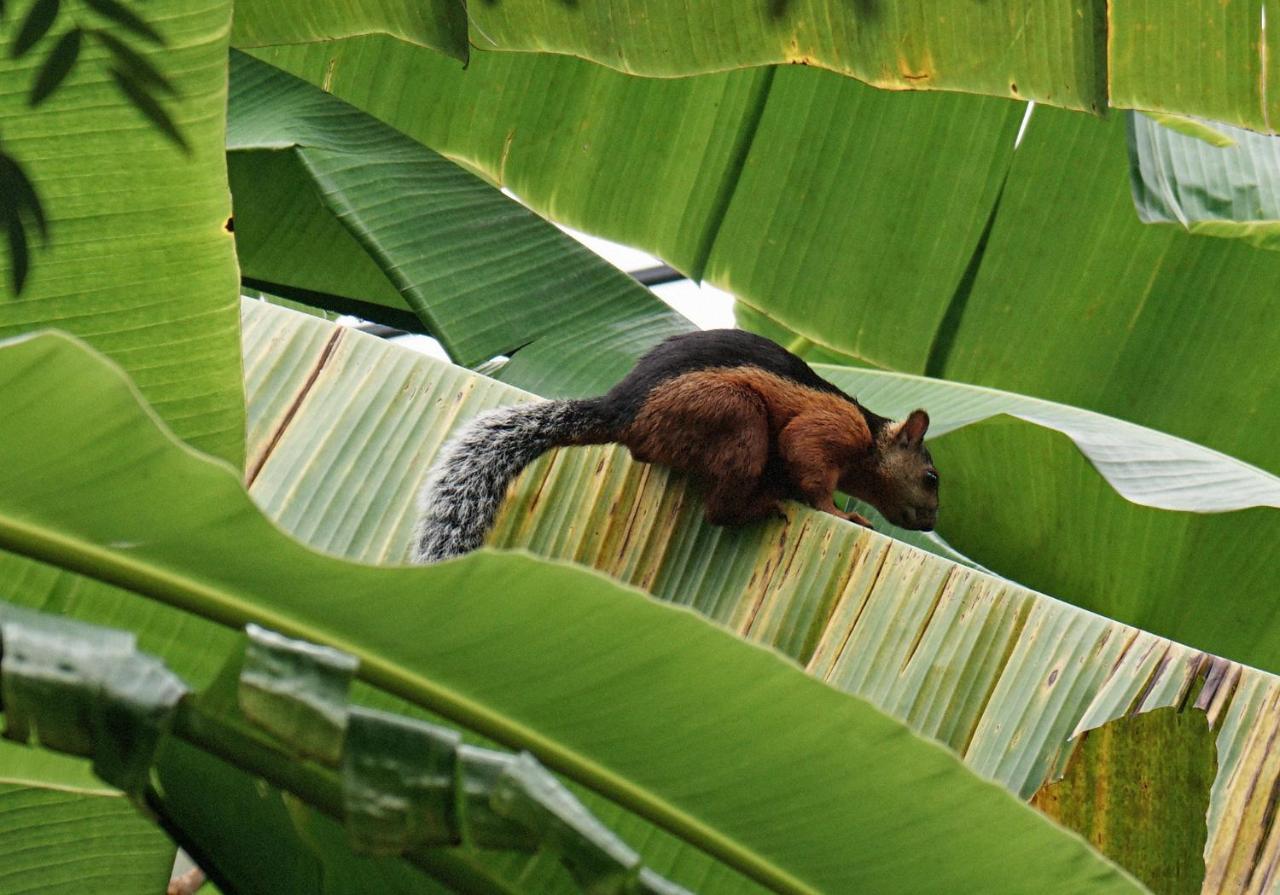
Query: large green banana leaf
x,y
1004,676
1076,301
96,486
327,198
1036,513
138,261
1024,501
821,201
1119,317
1185,57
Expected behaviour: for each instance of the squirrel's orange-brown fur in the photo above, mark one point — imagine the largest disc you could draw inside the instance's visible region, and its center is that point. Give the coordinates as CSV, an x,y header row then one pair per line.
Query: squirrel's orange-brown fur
x,y
720,424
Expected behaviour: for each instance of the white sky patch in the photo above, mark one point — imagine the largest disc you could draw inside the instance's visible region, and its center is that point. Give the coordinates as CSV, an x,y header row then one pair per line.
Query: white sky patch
x,y
619,256
707,306
1022,128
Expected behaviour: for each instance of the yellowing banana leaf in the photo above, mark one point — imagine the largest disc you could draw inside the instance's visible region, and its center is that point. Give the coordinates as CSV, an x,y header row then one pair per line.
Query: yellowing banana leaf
x,y
327,198
1002,675
1174,58
485,642
137,261
1138,788
1179,57
1002,49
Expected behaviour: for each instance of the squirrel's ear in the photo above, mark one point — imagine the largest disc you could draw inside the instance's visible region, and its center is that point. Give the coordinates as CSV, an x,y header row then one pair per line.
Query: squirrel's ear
x,y
913,428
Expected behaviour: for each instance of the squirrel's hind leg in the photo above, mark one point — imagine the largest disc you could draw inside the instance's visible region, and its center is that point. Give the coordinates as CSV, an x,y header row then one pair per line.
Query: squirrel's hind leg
x,y
735,462
718,431
740,501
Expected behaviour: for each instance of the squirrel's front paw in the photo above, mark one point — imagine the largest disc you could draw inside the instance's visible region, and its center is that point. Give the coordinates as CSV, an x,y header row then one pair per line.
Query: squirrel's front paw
x,y
860,520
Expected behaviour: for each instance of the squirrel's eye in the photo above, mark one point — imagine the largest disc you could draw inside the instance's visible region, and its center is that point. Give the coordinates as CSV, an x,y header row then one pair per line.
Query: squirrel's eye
x,y
931,478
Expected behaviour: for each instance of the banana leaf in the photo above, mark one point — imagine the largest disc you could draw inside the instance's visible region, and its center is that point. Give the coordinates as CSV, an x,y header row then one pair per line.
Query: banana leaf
x,y
1002,675
491,657
1224,184
332,203
1183,58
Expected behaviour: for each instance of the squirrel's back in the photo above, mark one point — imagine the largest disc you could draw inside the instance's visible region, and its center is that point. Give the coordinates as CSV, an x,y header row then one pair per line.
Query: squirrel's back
x,y
703,350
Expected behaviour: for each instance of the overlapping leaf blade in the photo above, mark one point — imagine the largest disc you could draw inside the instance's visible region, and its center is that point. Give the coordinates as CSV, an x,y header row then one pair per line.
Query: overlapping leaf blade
x,y
1002,675
194,539
1144,466
845,212
1184,58
439,24
370,213
58,841
1138,788
1228,190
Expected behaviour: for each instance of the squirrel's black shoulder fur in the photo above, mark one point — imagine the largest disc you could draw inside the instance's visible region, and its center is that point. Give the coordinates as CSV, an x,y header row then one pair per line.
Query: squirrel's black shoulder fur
x,y
708,349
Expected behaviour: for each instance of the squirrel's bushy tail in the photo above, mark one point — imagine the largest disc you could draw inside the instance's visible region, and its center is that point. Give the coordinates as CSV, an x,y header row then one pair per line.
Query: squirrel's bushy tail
x,y
470,477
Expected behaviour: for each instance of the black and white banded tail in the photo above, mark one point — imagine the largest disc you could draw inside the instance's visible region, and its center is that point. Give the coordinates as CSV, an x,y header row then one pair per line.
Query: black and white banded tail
x,y
470,477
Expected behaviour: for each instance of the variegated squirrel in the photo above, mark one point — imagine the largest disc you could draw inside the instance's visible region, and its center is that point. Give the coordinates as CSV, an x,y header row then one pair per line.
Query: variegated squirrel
x,y
739,411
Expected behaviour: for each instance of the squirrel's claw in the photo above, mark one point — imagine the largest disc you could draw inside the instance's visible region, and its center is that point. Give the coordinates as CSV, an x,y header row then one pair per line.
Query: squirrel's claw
x,y
860,520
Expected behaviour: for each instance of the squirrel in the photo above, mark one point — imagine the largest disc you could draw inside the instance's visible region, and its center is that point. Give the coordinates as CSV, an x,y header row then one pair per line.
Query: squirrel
x,y
737,410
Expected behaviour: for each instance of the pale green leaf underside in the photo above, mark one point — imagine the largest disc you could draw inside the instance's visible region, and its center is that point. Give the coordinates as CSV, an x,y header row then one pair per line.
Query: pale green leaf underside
x,y
1230,189
1000,674
194,540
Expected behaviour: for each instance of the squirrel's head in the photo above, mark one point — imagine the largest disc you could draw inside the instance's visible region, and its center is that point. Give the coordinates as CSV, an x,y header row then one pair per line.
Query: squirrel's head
x,y
904,482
